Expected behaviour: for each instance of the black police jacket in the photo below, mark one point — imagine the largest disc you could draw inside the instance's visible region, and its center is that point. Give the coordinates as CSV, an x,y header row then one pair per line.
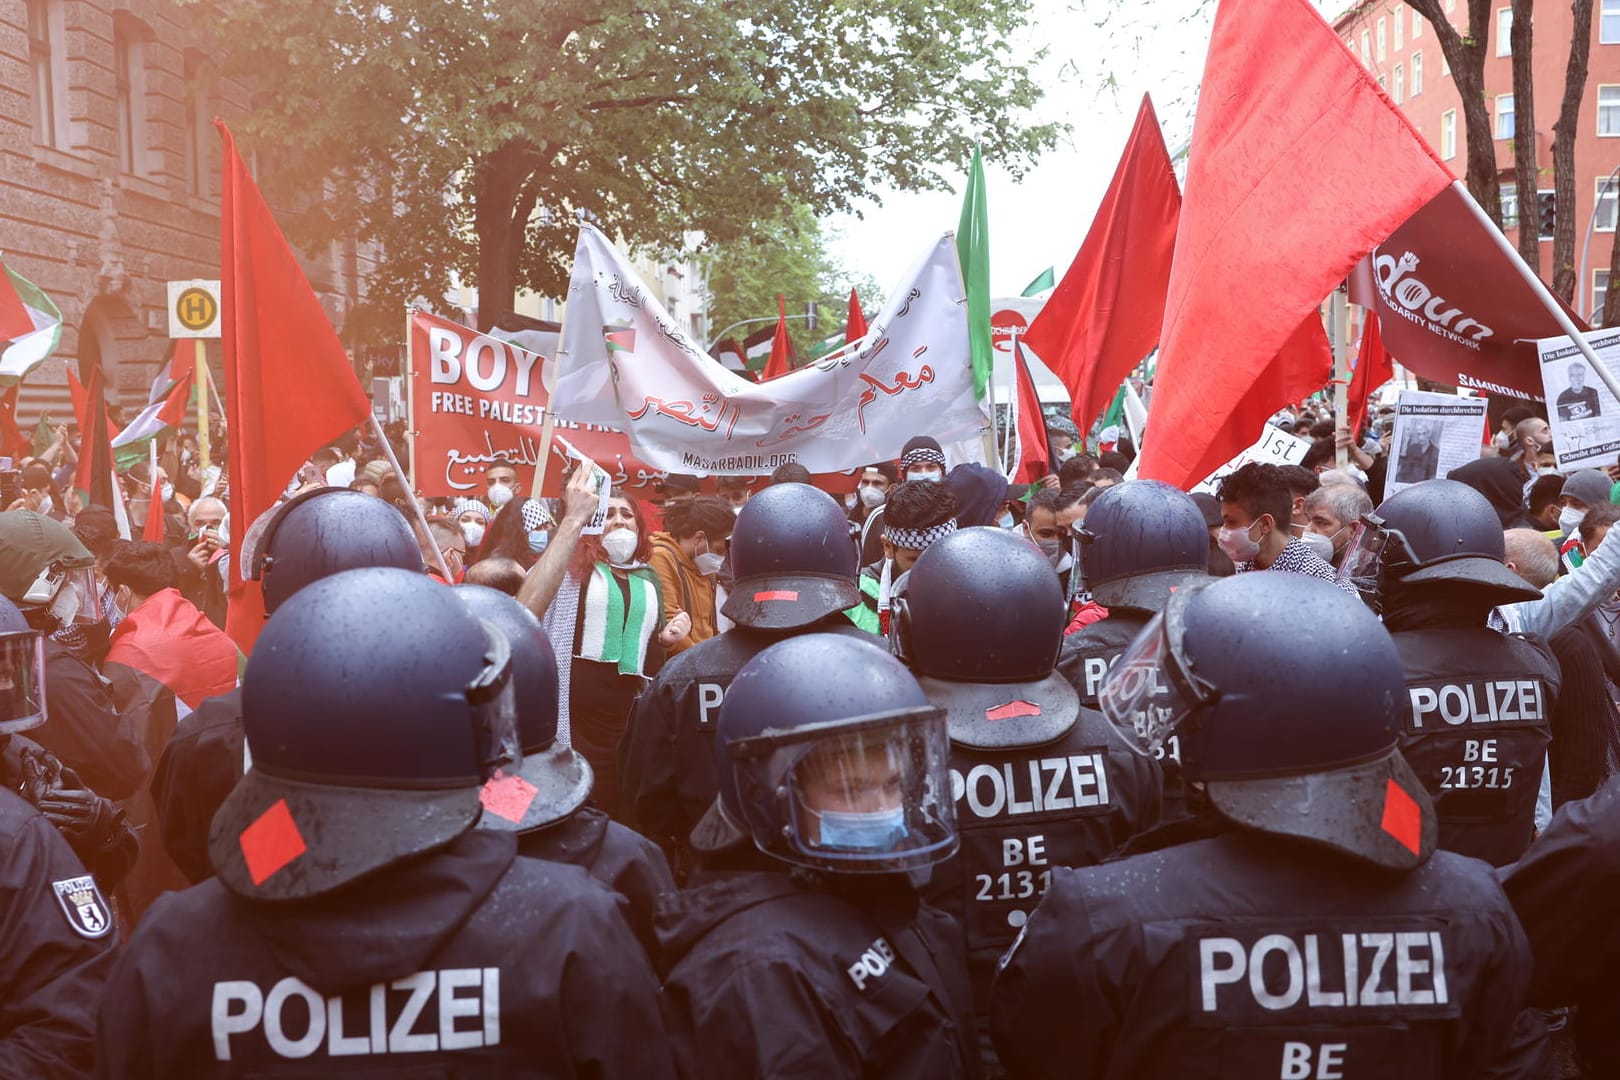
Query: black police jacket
x,y
56,950
1248,956
200,765
1022,813
769,974
666,762
84,729
1476,725
1566,891
625,861
466,961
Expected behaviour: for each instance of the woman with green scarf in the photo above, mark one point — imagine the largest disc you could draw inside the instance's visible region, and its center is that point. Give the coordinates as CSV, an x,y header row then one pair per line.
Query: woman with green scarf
x,y
607,621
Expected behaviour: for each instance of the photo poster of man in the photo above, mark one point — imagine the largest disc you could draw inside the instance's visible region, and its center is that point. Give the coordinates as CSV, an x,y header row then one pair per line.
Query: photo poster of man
x,y
1434,433
1583,414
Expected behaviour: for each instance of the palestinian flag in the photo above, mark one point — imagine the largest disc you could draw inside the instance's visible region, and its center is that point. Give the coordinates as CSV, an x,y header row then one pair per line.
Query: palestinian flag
x,y
973,250
619,339
29,321
757,348
165,407
1043,281
730,353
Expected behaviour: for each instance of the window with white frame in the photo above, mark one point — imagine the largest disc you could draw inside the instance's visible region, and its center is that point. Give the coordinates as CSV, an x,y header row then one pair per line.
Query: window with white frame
x,y
1378,40
1400,84
1448,134
1417,25
1608,109
1417,75
1608,202
1445,65
1510,205
1600,294
1366,49
1504,31
1609,23
1504,116
1396,28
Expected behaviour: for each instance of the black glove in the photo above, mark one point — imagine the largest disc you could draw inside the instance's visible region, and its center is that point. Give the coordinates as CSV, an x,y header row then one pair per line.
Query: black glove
x,y
88,821
39,773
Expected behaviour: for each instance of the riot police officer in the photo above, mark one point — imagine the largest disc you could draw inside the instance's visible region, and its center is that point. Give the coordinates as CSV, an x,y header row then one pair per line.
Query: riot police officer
x,y
543,799
358,919
805,951
795,573
1478,703
94,828
1039,781
316,534
1319,933
1139,542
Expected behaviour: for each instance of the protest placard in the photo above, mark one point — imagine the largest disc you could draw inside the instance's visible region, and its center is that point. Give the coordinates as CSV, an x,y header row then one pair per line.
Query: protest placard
x,y
1434,433
1583,414
1274,447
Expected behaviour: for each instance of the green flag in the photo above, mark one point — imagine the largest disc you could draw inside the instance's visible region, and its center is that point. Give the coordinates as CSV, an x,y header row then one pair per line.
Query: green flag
x,y
1115,413
973,252
1043,281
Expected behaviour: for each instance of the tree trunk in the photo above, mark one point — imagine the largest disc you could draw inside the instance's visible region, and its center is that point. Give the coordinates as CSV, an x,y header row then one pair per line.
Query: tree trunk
x,y
500,180
1563,152
1524,135
1466,57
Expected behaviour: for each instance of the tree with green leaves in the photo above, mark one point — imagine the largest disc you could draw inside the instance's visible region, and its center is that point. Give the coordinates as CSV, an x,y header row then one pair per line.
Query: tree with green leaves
x,y
460,136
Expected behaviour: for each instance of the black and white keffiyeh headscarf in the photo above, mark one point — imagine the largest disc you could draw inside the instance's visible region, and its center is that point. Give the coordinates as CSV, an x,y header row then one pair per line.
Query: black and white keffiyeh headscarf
x,y
918,539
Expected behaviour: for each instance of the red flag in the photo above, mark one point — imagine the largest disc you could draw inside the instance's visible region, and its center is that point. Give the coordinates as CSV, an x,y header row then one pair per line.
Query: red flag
x,y
855,324
1105,314
782,359
13,443
153,529
77,396
289,387
95,475
1374,368
14,318
1300,166
1034,455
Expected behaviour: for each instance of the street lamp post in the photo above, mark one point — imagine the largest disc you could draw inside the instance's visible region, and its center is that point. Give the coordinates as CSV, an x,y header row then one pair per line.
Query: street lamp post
x,y
1586,245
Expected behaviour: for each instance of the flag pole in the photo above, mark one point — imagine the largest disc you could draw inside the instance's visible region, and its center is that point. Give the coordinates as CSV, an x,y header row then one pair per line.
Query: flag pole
x,y
548,381
1531,278
418,519
1341,372
201,364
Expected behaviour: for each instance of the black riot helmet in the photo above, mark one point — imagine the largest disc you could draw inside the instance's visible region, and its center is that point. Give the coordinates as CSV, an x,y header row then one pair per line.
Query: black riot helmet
x,y
1290,733
981,625
22,671
829,755
375,705
791,558
553,781
1432,532
1140,540
326,531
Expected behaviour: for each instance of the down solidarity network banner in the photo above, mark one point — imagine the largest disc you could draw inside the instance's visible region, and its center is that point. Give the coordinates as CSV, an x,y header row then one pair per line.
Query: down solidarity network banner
x,y
477,398
626,364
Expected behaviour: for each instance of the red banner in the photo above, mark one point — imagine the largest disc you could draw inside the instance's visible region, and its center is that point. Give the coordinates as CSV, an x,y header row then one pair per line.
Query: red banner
x,y
476,398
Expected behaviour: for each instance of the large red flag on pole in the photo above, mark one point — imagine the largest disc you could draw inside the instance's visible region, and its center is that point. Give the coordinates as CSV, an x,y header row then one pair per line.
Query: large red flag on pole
x,y
1106,313
1374,368
1300,166
289,387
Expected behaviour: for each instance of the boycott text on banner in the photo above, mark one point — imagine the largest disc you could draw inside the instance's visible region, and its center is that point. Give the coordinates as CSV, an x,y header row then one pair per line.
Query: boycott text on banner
x,y
1434,433
1274,447
476,398
1584,416
626,364
1451,306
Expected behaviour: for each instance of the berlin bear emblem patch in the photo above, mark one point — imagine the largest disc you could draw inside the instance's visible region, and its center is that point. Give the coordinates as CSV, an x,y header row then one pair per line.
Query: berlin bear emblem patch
x,y
81,902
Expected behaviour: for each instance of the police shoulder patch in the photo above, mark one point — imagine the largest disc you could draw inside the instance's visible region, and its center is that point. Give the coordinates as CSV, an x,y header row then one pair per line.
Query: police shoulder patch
x,y
81,902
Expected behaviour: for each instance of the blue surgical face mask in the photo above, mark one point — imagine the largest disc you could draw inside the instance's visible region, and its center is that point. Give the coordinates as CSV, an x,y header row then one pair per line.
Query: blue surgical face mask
x,y
877,830
538,539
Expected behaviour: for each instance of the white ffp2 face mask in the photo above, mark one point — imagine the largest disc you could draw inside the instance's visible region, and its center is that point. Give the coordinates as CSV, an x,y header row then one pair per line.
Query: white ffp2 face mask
x,y
1319,545
620,546
1569,520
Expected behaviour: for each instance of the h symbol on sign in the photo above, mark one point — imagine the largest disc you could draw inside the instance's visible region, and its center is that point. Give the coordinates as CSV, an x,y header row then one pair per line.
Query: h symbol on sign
x,y
195,308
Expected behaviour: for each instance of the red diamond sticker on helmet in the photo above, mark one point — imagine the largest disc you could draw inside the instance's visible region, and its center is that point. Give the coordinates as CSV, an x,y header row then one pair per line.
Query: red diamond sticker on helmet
x,y
1403,818
778,594
508,796
271,842
1012,710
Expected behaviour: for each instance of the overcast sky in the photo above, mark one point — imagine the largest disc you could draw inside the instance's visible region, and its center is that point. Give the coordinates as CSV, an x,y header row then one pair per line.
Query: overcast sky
x,y
1037,222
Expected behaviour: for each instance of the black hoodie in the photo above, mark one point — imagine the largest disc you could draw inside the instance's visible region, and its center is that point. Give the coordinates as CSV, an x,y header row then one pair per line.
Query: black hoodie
x,y
466,961
799,976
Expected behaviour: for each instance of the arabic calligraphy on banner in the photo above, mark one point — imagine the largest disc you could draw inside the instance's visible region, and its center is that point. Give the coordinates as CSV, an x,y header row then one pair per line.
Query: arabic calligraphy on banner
x,y
476,399
625,363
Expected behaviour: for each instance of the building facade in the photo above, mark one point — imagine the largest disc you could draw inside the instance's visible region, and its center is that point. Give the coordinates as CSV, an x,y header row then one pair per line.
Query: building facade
x,y
109,182
1403,52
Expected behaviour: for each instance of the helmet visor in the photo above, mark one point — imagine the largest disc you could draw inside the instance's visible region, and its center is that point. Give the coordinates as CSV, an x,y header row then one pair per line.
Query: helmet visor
x,y
71,593
492,707
869,797
1146,694
22,682
1364,554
